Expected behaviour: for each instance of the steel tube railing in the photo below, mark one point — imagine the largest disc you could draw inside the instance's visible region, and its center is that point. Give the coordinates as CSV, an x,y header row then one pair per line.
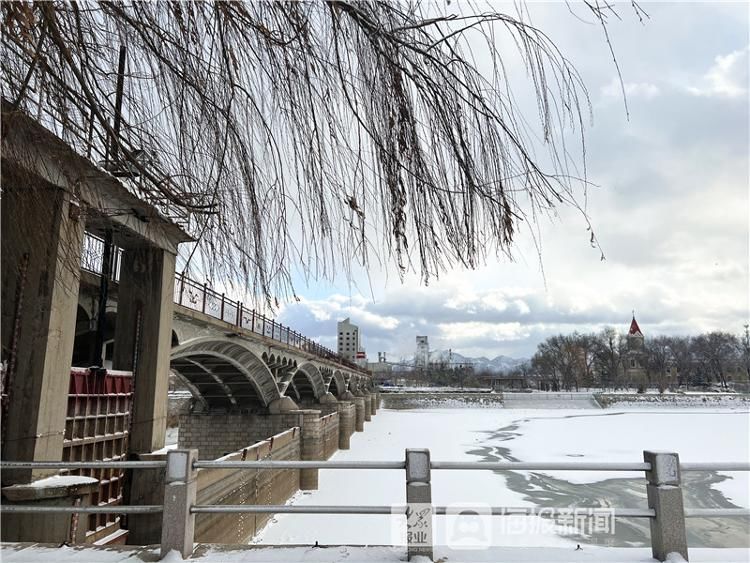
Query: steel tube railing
x,y
118,509
539,466
715,466
299,465
113,464
401,509
716,512
550,511
288,509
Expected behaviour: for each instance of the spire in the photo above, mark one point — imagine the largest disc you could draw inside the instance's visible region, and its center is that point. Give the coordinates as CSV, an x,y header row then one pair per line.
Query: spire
x,y
635,330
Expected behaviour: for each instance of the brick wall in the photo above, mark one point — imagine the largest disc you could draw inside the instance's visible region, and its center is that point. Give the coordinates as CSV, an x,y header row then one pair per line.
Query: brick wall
x,y
215,435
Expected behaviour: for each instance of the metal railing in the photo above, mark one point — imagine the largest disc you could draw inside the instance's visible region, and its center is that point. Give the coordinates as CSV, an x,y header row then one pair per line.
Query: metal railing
x,y
200,297
662,470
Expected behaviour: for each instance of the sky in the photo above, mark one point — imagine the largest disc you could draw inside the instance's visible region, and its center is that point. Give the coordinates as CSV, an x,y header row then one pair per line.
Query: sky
x,y
670,206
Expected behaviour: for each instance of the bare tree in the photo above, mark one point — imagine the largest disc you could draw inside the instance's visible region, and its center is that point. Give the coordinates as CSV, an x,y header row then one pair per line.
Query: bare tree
x,y
309,135
717,355
609,353
681,352
658,360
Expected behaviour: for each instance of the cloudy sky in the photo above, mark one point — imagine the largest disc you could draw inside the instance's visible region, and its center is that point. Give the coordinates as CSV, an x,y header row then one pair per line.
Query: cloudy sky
x,y
670,212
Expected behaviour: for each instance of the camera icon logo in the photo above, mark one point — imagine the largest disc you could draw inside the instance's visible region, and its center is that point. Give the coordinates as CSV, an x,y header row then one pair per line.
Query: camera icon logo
x,y
468,526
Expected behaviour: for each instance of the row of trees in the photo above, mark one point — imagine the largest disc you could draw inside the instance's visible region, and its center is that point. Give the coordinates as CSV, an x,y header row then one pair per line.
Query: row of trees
x,y
604,360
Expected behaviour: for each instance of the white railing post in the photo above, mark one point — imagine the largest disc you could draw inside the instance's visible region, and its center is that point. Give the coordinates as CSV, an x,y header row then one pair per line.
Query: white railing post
x,y
665,498
178,523
419,508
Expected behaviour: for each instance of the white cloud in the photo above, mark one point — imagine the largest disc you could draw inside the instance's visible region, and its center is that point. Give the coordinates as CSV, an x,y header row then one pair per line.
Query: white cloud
x,y
727,78
632,89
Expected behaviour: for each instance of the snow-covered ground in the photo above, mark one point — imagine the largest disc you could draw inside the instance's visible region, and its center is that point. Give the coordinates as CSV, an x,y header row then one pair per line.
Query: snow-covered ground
x,y
527,435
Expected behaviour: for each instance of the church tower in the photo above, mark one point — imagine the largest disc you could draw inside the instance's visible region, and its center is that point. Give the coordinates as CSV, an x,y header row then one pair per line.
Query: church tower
x,y
634,361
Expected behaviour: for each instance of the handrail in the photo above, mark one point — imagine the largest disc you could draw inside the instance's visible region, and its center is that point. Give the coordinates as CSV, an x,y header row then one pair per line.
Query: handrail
x,y
110,464
118,509
299,464
551,511
715,466
395,464
181,501
199,297
540,466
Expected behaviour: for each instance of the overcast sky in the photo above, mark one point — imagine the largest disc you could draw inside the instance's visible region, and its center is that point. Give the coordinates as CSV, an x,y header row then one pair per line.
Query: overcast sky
x,y
671,212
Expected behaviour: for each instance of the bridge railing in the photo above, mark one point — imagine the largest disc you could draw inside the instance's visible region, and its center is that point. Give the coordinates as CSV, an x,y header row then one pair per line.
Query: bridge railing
x,y
665,511
200,297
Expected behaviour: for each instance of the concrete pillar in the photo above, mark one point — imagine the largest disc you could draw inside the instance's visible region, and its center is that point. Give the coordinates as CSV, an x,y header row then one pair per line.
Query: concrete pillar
x,y
418,504
178,523
144,307
312,448
146,486
347,414
359,421
665,498
374,398
41,248
368,407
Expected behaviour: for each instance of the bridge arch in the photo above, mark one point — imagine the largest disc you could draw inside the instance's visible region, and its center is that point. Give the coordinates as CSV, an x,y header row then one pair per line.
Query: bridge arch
x,y
308,382
226,374
337,384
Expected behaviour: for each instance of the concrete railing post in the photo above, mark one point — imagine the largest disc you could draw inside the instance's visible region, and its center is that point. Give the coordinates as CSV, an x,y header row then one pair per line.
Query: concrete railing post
x,y
418,504
178,523
665,498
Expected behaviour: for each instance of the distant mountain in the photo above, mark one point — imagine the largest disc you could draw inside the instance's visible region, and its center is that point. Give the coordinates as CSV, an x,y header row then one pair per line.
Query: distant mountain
x,y
498,364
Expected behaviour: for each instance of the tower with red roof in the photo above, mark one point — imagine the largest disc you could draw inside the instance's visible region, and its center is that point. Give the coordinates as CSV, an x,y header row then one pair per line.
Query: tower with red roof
x,y
634,361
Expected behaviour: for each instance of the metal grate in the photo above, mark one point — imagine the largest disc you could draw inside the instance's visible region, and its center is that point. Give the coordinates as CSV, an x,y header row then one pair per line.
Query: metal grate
x,y
96,429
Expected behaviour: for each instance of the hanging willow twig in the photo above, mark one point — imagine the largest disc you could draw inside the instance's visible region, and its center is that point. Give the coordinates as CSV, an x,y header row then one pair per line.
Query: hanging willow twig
x,y
309,136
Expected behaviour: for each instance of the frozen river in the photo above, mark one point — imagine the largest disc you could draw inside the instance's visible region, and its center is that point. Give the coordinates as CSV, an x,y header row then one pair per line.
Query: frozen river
x,y
530,435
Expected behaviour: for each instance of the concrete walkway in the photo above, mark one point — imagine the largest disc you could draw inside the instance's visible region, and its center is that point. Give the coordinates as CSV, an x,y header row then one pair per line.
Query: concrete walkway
x,y
208,553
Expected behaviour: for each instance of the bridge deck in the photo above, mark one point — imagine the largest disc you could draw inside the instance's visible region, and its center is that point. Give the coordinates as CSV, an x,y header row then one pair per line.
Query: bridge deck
x,y
211,553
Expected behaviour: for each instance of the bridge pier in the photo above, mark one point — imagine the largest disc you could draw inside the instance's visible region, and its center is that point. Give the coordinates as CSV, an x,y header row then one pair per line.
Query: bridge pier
x,y
359,415
368,406
347,415
375,397
41,249
144,323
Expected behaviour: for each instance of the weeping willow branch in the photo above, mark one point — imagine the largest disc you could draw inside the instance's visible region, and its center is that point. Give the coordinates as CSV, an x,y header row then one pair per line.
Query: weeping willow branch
x,y
312,136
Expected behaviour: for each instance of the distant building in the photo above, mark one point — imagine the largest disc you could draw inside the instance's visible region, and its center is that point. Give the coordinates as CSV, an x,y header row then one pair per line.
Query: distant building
x,y
635,361
381,370
348,340
422,357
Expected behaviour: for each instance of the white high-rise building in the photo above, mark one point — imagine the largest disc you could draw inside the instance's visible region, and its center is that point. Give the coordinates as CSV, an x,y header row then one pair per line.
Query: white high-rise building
x,y
348,340
422,357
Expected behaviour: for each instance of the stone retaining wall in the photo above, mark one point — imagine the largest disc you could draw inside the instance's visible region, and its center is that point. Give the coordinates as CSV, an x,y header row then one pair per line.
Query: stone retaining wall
x,y
723,400
330,430
429,400
260,486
